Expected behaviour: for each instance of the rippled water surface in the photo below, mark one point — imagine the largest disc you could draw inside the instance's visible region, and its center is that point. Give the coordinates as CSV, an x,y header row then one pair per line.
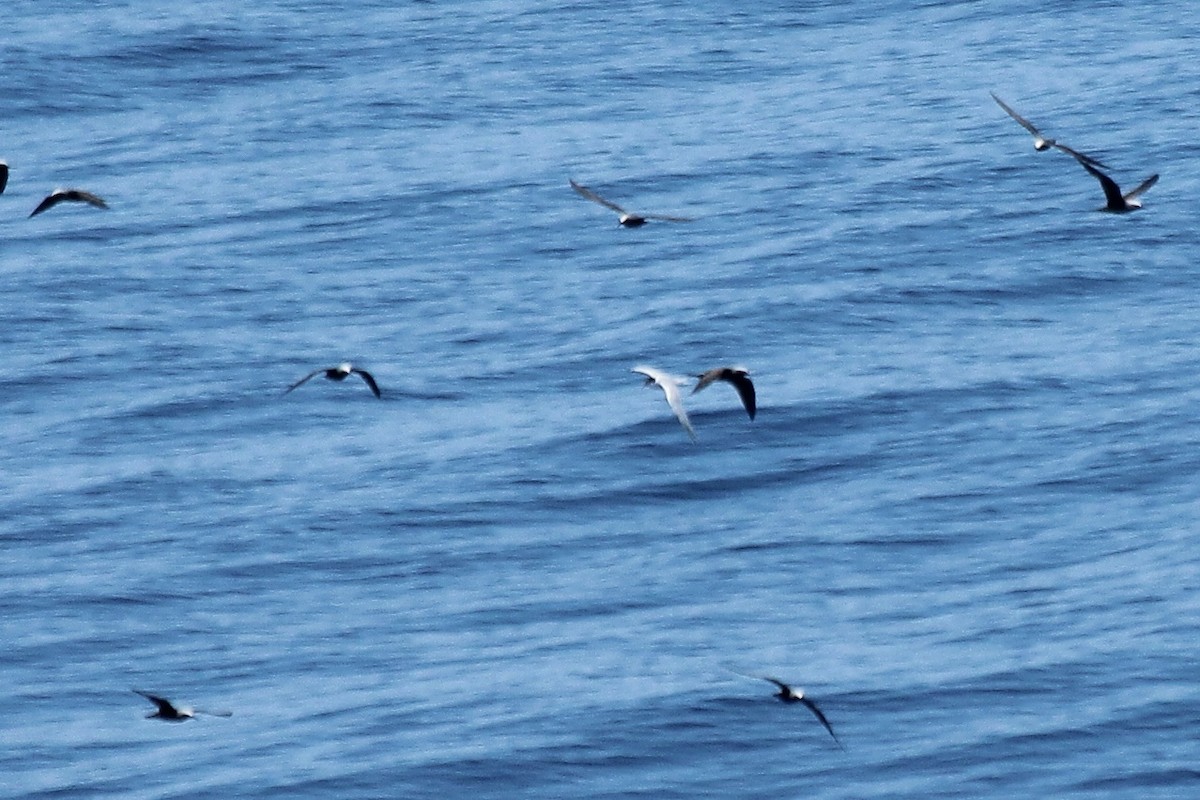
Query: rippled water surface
x,y
963,519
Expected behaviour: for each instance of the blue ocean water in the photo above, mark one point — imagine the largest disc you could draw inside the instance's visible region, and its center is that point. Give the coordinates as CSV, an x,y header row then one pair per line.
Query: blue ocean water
x,y
963,520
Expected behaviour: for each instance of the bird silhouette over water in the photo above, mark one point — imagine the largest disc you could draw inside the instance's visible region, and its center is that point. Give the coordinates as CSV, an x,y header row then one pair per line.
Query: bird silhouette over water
x,y
339,373
670,385
169,712
626,218
739,378
1040,142
1115,202
3,175
787,694
68,195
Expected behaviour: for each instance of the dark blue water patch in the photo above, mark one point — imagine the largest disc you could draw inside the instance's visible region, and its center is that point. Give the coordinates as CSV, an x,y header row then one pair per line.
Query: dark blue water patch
x,y
1165,782
200,64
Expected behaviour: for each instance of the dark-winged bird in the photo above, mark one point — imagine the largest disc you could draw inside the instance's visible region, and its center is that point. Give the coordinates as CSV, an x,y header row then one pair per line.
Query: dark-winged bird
x,y
739,378
3,175
1040,142
166,710
72,195
626,218
1116,202
789,695
339,373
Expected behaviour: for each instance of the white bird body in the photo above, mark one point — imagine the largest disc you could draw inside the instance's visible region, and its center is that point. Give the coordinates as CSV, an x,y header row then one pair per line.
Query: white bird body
x,y
670,385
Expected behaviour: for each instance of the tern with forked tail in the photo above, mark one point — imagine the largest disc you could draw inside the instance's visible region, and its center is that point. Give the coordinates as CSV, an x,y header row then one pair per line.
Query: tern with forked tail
x,y
788,694
1040,142
168,711
339,373
626,218
1115,202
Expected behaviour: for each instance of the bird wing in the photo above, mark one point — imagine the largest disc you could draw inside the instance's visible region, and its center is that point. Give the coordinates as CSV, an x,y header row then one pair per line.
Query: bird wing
x,y
745,389
670,385
783,687
1146,184
736,377
1112,192
595,198
821,717
304,380
1026,124
653,373
3,176
366,376
707,379
164,705
1082,158
85,197
50,201
671,390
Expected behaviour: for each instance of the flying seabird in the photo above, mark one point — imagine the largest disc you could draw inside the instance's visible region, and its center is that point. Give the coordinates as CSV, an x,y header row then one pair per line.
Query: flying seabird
x,y
1116,202
171,713
75,195
626,218
3,175
787,694
1040,142
339,373
670,385
739,377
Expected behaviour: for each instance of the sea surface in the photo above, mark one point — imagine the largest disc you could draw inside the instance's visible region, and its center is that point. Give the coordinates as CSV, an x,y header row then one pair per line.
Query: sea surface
x,y
964,520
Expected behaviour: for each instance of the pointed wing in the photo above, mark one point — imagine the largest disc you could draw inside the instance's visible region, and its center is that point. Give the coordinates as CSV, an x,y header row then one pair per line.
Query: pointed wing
x,y
304,380
736,377
366,376
595,198
707,379
821,717
671,390
51,200
79,195
655,375
670,386
783,687
1026,124
745,389
1146,184
1082,158
164,705
1112,192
